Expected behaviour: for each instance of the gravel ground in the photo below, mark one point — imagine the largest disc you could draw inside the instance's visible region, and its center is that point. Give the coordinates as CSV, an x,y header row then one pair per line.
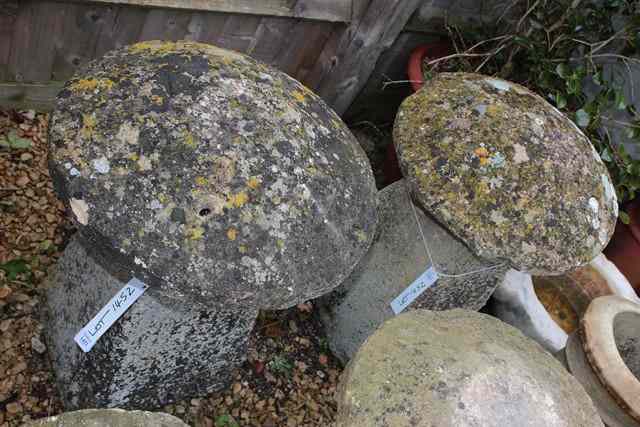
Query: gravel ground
x,y
289,378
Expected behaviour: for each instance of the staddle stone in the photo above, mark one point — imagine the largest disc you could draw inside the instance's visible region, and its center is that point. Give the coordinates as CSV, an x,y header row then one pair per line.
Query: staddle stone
x,y
222,179
396,259
506,172
158,352
458,368
109,418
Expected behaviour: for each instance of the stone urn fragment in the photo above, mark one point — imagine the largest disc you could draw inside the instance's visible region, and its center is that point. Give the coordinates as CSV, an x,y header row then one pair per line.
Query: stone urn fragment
x,y
506,172
605,357
109,418
458,368
548,308
222,179
396,259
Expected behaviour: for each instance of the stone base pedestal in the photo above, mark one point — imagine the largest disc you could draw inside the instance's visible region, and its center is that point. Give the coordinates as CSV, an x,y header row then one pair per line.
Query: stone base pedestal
x,y
159,351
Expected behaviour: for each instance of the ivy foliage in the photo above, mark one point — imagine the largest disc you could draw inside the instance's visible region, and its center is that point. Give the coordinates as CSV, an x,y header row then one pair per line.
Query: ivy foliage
x,y
575,53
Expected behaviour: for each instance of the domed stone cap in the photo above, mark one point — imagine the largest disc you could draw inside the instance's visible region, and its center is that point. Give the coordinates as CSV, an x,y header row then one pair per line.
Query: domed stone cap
x,y
221,178
506,172
458,368
109,418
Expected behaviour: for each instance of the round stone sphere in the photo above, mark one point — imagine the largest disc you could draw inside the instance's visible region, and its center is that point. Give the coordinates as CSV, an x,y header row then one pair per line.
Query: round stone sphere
x,y
458,368
506,172
218,178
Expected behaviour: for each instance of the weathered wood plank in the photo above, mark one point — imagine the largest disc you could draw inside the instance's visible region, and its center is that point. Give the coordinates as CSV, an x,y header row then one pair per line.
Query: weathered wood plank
x,y
206,27
357,55
39,97
165,25
239,33
322,10
122,26
8,16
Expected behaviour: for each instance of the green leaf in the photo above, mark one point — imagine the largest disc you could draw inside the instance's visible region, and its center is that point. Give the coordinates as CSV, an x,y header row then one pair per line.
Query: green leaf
x,y
597,78
4,143
620,102
582,118
17,142
560,100
606,155
624,217
14,267
225,421
562,70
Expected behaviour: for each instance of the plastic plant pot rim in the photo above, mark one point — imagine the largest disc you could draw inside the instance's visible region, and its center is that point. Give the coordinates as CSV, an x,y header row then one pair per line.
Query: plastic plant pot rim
x,y
414,66
599,345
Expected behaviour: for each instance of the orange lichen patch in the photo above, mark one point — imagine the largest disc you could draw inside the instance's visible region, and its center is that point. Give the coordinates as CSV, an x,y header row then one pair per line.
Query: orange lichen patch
x,y
483,161
299,96
157,99
253,183
232,233
481,152
89,85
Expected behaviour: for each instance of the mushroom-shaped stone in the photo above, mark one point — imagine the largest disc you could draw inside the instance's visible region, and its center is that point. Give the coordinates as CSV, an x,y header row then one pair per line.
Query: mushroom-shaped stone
x,y
221,179
396,259
506,172
109,418
605,358
458,368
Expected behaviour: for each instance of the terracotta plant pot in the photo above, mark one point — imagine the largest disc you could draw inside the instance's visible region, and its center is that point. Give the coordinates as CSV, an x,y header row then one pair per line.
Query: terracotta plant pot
x,y
391,167
605,357
624,248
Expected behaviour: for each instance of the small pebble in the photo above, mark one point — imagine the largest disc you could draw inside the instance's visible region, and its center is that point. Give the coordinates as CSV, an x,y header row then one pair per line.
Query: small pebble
x,y
25,157
37,345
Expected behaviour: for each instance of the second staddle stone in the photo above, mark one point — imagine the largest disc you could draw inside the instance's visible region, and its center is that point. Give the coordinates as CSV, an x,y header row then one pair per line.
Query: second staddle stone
x,y
225,180
458,368
505,172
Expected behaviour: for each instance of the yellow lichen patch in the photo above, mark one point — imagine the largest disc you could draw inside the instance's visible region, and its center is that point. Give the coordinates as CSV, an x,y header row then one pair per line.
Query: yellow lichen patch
x,y
189,139
88,125
253,183
201,181
232,233
238,200
162,198
361,236
89,85
280,243
483,161
154,46
133,156
242,249
494,110
299,96
195,233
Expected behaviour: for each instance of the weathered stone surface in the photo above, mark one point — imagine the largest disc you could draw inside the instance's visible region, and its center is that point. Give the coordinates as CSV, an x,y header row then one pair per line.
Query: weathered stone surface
x,y
397,257
458,368
219,177
109,418
159,351
506,172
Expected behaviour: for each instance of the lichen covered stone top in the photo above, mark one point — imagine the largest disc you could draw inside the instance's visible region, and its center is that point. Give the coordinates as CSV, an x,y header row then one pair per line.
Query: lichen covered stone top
x,y
220,177
506,172
458,368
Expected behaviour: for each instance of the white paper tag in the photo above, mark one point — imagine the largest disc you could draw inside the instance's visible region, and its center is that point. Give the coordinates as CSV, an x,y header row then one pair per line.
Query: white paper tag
x,y
413,291
89,335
